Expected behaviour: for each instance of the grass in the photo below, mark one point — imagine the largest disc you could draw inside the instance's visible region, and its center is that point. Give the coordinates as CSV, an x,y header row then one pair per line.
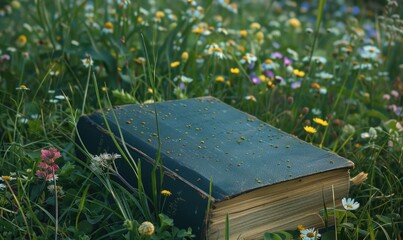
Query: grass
x,y
287,63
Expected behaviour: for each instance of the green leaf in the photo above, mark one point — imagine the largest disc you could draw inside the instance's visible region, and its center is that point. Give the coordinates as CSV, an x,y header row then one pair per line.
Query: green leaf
x,y
165,221
94,219
384,219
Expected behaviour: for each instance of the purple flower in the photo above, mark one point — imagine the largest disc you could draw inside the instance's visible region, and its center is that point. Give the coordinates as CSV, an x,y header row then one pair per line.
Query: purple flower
x,y
287,61
276,55
269,73
296,85
254,78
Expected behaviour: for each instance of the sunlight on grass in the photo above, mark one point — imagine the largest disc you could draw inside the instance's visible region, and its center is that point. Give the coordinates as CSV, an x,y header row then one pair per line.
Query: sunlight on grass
x,y
329,72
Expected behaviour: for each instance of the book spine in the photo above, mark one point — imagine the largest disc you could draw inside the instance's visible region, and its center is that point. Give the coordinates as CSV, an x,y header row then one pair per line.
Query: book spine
x,y
187,205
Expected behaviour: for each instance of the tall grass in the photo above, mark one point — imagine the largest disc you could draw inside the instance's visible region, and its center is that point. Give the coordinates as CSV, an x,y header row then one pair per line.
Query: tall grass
x,y
295,61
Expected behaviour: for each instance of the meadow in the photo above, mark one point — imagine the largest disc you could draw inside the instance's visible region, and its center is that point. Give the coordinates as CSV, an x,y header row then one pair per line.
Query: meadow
x,y
328,72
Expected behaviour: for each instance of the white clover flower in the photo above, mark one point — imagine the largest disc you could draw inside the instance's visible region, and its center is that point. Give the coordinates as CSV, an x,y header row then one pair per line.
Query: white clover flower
x,y
350,204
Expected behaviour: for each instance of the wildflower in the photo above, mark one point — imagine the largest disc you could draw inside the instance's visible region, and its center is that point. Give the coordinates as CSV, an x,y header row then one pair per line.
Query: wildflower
x,y
56,189
219,79
159,15
235,70
214,49
87,61
175,64
47,167
295,23
310,129
370,52
251,98
166,193
321,122
300,227
255,25
183,79
309,234
269,64
350,204
359,178
61,97
243,33
102,161
248,58
146,229
123,3
22,87
324,75
185,56
298,73
21,41
108,28
316,111
16,4
287,61
295,85
315,86
254,79
6,178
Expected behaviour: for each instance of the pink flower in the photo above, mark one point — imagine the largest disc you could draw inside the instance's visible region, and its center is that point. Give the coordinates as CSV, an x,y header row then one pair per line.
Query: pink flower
x,y
47,167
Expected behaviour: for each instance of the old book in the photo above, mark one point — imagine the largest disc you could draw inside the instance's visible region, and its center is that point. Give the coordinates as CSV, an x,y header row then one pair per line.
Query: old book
x,y
264,178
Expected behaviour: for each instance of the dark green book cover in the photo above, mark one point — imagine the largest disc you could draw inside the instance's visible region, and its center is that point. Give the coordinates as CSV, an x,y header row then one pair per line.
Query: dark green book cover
x,y
203,139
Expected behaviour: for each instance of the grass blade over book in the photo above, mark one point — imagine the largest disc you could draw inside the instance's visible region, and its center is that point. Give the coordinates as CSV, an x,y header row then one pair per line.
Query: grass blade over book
x,y
263,178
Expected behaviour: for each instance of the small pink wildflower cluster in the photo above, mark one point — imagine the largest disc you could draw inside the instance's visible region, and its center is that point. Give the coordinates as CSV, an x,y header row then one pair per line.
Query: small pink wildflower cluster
x,y
47,167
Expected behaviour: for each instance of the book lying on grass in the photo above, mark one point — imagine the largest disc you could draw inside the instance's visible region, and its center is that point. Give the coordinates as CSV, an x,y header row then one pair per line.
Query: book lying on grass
x,y
265,179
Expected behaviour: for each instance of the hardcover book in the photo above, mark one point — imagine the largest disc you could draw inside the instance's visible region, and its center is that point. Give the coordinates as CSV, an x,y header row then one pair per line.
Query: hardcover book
x,y
215,155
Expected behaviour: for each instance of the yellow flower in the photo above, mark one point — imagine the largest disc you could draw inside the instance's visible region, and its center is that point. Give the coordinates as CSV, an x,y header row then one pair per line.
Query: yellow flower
x,y
259,36
185,56
255,25
6,178
166,193
310,129
315,85
299,73
146,228
108,25
235,70
243,33
22,87
300,227
295,23
159,15
175,64
219,79
139,19
21,41
321,122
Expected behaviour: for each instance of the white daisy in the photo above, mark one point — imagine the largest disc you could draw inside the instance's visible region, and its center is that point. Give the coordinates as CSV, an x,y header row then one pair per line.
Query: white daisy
x,y
309,234
350,204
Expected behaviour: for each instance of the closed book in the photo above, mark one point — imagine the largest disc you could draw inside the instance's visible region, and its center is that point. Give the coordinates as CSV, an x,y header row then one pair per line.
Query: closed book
x,y
216,156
